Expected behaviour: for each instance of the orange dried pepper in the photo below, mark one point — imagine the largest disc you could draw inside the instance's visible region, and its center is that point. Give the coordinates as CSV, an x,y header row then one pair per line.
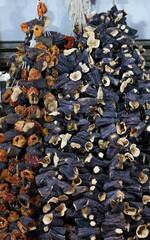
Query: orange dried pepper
x,y
2,138
32,140
9,197
41,9
34,74
15,180
3,157
7,95
24,73
3,223
19,126
4,189
38,30
5,174
28,173
21,110
24,27
19,141
13,216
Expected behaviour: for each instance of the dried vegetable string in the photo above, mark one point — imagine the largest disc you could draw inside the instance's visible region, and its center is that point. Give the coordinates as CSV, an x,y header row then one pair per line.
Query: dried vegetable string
x,y
92,114
21,136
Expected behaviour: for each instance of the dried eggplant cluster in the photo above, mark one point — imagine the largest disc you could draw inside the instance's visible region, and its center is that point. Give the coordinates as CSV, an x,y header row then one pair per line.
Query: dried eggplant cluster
x,y
24,111
94,177
78,121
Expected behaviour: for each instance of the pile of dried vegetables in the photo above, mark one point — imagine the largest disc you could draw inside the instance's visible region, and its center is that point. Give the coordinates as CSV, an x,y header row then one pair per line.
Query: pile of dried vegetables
x,y
76,124
22,133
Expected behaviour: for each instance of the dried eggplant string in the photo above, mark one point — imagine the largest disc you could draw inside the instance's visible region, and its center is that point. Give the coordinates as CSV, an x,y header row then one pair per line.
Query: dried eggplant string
x,y
84,139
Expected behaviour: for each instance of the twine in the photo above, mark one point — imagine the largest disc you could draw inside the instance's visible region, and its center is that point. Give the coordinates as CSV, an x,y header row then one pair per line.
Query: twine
x,y
77,9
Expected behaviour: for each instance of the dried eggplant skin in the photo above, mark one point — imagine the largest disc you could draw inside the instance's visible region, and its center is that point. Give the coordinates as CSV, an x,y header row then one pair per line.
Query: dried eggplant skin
x,y
12,118
9,135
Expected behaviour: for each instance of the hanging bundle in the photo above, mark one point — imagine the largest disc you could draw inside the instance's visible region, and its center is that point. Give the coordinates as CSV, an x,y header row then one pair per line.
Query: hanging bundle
x,y
79,10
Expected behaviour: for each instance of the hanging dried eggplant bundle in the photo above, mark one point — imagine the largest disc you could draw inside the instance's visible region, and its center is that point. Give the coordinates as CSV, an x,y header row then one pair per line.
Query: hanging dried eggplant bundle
x,y
94,150
78,122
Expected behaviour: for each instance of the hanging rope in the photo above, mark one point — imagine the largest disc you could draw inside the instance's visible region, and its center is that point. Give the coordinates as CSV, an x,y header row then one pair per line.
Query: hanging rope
x,y
78,10
36,15
114,3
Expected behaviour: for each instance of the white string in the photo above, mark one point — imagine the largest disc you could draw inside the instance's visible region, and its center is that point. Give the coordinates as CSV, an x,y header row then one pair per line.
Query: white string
x,y
13,82
77,9
33,41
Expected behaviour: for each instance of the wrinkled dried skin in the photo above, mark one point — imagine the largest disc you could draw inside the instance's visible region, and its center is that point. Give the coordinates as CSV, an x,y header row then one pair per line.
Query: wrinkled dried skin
x,y
50,81
53,62
30,109
48,118
34,75
41,9
7,95
70,42
19,141
3,156
3,235
32,95
38,30
3,223
15,180
36,201
12,163
32,160
24,73
17,234
2,138
24,27
32,90
54,50
4,189
40,45
28,212
19,57
32,140
22,110
5,174
50,96
13,217
9,197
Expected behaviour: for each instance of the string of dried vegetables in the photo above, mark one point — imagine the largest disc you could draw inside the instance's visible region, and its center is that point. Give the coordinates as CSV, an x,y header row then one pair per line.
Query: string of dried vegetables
x,y
78,122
